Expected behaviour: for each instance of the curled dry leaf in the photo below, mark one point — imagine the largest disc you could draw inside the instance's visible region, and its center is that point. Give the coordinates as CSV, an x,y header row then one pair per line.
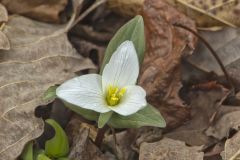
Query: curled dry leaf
x,y
169,149
165,47
42,10
232,148
40,56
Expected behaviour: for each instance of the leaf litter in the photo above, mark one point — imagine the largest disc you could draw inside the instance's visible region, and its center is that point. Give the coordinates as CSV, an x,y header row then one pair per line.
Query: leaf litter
x,y
200,116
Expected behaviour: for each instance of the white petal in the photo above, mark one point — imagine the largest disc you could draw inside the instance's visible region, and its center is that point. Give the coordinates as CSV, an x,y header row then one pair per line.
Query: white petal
x,y
123,67
133,101
84,91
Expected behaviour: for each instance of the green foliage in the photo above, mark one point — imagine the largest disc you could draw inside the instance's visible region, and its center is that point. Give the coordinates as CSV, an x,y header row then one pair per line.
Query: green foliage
x,y
27,152
57,146
104,118
86,113
133,31
63,158
148,116
50,94
42,157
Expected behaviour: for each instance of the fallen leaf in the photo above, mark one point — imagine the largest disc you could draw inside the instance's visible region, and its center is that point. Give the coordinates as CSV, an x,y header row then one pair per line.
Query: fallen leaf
x,y
169,149
40,56
4,42
126,7
226,119
82,147
204,105
42,10
3,14
208,14
165,48
123,148
232,148
226,48
211,13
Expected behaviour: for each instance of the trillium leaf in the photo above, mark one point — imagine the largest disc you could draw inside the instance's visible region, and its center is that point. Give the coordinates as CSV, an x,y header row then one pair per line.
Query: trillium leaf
x,y
28,152
50,94
43,157
148,116
63,158
57,146
86,113
104,118
133,31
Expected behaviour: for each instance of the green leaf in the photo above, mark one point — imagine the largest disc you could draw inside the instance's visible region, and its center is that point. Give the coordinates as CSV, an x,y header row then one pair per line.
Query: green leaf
x,y
36,152
133,31
104,118
50,94
43,157
27,153
86,113
63,158
148,116
57,146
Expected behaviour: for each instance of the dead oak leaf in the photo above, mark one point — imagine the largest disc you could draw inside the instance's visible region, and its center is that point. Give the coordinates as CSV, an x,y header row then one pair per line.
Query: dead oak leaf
x,y
4,42
204,105
3,14
42,10
232,148
226,119
169,149
160,76
40,56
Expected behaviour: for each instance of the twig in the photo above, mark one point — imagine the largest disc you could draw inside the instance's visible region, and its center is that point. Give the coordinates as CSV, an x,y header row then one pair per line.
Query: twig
x,y
84,14
212,52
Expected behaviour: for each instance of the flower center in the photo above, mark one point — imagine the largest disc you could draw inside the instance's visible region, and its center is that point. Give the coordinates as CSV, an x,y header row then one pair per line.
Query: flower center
x,y
114,95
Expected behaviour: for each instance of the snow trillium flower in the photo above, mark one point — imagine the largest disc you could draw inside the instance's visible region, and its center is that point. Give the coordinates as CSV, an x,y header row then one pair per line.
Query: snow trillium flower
x,y
115,90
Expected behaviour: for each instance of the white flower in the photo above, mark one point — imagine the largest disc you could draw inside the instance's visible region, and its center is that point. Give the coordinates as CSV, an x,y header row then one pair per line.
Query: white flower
x,y
114,90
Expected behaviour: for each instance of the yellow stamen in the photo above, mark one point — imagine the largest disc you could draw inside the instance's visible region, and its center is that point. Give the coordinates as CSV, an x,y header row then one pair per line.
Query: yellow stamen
x,y
114,95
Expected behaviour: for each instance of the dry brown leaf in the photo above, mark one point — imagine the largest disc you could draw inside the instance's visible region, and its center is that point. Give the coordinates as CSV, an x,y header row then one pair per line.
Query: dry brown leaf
x,y
40,56
123,147
3,14
227,118
42,10
232,148
126,7
210,13
169,149
207,14
226,44
82,148
165,48
204,105
4,42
